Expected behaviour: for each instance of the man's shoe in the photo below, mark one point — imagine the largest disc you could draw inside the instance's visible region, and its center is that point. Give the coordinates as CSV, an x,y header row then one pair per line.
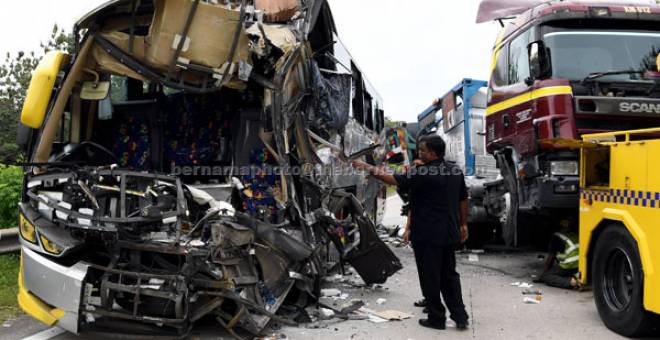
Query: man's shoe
x,y
463,326
420,303
428,324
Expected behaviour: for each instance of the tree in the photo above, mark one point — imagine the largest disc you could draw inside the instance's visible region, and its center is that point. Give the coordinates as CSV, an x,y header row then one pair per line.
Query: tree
x,y
15,75
390,124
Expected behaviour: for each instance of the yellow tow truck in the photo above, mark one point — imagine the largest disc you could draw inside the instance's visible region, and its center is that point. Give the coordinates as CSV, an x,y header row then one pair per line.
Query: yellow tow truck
x,y
620,228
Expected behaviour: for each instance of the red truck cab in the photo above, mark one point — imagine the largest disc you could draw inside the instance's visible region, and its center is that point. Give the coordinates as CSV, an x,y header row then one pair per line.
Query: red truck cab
x,y
560,70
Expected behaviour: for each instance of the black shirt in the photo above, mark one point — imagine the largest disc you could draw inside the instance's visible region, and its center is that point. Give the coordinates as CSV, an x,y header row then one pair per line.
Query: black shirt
x,y
436,191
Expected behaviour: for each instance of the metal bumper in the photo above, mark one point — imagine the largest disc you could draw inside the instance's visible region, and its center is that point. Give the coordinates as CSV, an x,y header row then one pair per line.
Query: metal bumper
x,y
50,292
550,195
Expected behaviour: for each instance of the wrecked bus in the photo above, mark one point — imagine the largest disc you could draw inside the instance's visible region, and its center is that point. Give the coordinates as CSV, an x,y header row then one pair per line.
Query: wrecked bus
x,y
191,160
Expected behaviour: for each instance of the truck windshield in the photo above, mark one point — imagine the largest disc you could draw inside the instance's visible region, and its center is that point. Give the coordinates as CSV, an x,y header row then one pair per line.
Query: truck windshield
x,y
577,54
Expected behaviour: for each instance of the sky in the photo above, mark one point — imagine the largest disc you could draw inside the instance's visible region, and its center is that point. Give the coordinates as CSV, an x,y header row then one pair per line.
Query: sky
x,y
411,51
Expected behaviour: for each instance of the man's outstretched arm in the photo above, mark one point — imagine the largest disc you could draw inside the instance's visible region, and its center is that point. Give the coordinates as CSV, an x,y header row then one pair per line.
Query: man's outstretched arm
x,y
379,173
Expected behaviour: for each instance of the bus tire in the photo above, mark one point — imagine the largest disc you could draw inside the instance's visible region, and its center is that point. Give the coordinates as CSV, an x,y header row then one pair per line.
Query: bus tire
x,y
618,282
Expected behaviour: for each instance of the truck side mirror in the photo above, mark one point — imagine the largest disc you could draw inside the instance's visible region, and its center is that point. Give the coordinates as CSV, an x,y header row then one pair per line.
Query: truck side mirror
x,y
539,61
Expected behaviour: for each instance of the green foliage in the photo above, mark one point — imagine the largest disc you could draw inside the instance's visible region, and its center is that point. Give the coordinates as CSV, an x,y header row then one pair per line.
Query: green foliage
x,y
11,182
9,266
15,75
389,123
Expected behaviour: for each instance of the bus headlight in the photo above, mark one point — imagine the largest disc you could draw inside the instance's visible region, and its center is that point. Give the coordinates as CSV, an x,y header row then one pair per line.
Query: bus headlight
x,y
50,246
27,230
564,168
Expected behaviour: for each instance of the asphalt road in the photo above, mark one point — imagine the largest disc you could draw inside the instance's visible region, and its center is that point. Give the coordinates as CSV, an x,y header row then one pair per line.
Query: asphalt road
x,y
496,308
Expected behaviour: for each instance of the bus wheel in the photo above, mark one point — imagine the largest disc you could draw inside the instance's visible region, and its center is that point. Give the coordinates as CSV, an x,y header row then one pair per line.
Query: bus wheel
x,y
619,284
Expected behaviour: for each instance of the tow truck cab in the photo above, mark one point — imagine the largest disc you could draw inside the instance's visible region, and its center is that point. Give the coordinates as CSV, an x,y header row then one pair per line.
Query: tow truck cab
x,y
619,214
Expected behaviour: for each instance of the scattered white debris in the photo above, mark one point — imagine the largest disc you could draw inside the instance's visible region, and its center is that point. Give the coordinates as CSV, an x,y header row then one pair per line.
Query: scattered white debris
x,y
532,301
342,296
326,313
393,315
197,243
473,258
376,319
330,292
372,315
381,301
525,285
335,278
515,284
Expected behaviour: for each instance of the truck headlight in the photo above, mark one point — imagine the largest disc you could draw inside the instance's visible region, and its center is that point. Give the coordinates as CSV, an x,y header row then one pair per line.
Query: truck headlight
x,y
564,168
566,189
50,246
27,230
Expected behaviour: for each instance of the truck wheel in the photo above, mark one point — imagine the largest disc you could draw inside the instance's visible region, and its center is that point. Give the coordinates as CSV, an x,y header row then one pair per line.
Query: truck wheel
x,y
510,215
618,283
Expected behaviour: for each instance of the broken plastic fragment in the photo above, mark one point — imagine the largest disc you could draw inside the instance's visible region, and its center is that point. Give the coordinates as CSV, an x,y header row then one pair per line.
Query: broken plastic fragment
x,y
33,184
197,243
84,221
531,301
326,313
62,215
330,292
170,220
244,71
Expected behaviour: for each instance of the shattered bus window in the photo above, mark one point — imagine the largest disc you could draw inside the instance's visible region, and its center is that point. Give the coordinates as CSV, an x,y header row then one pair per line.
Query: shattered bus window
x,y
205,167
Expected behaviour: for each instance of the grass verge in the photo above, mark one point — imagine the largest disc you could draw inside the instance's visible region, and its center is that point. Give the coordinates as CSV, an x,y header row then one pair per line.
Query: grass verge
x,y
9,265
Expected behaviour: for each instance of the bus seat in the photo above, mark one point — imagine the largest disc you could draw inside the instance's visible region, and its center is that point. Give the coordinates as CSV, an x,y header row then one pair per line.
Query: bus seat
x,y
196,131
129,134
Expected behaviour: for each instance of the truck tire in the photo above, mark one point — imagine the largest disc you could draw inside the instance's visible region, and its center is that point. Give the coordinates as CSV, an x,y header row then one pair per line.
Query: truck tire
x,y
510,216
618,281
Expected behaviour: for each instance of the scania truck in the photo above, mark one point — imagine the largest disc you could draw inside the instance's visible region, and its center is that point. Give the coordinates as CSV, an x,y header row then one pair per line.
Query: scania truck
x,y
562,69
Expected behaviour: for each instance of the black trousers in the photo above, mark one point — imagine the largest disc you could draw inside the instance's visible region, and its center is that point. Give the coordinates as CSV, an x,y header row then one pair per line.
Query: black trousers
x,y
437,274
558,277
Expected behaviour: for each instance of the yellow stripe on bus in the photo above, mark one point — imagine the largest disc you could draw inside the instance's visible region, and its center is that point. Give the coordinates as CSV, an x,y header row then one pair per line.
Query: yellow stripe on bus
x,y
528,96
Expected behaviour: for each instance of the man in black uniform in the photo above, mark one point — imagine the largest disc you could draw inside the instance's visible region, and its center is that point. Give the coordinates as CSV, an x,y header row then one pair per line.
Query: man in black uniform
x,y
438,225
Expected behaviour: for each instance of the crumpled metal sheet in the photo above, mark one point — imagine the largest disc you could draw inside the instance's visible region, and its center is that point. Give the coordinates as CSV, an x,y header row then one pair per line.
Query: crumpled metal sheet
x,y
278,10
332,94
279,36
357,138
277,238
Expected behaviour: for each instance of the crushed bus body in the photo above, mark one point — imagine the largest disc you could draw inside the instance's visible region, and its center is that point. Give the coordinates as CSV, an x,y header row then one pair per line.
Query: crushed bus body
x,y
191,161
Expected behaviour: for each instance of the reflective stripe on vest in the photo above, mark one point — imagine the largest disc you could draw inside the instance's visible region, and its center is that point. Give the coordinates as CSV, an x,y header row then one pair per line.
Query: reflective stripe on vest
x,y
570,257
